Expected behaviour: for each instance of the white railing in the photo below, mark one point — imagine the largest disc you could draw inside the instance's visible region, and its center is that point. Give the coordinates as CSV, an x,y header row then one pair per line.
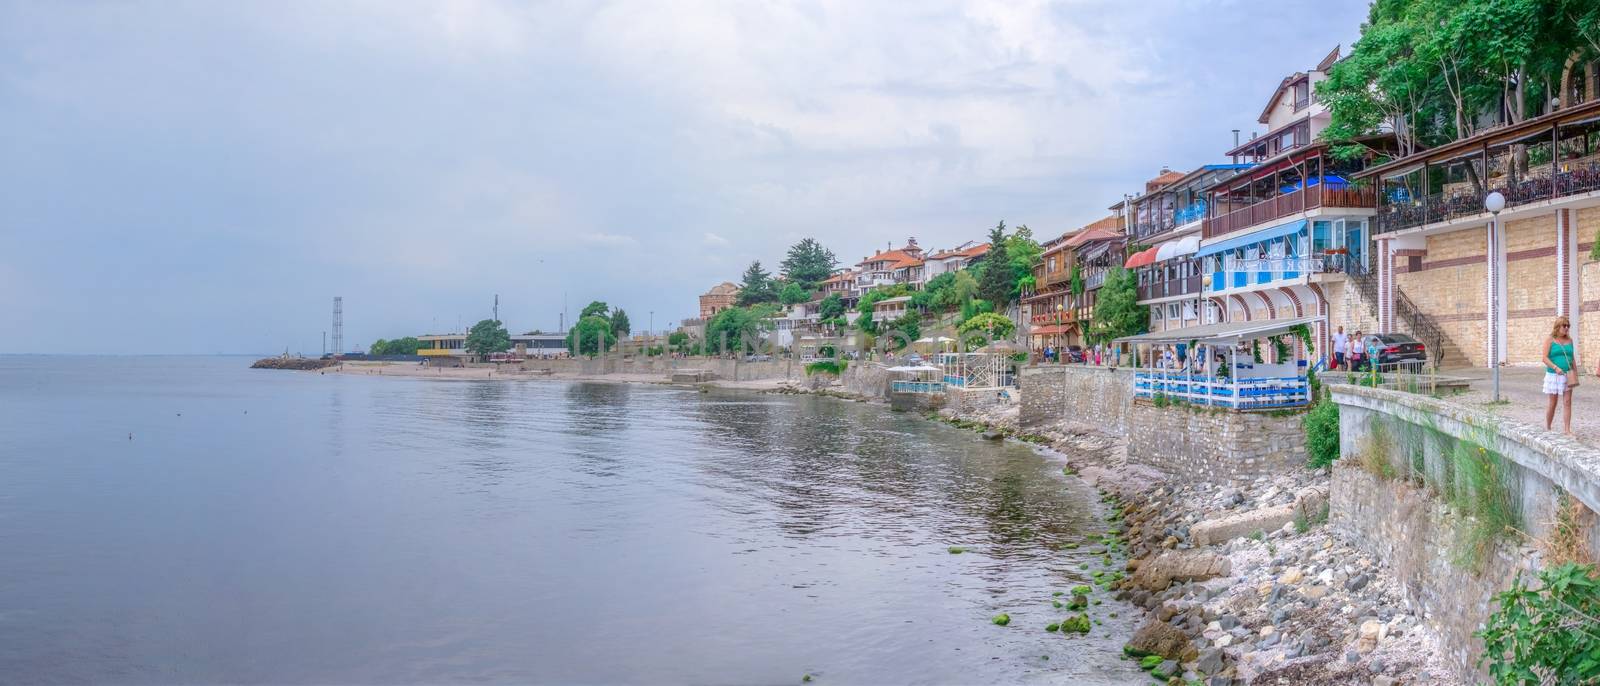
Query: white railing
x,y
1221,391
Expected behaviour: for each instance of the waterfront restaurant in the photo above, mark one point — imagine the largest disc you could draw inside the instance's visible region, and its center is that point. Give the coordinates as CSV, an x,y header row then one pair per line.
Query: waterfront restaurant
x,y
1245,365
1167,218
1490,289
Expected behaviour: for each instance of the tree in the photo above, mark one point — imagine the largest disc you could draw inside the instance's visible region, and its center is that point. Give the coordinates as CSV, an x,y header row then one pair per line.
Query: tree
x,y
793,294
398,346
734,327
592,335
871,298
486,337
831,307
620,327
808,264
997,282
995,326
1023,253
595,309
1117,311
678,339
757,287
904,330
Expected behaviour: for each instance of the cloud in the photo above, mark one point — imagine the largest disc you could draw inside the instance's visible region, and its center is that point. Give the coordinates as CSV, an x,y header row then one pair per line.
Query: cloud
x,y
417,158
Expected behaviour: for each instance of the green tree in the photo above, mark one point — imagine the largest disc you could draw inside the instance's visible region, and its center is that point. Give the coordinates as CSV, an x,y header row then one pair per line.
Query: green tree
x,y
677,340
758,286
808,264
1023,253
398,346
379,347
831,307
595,309
620,327
592,335
487,336
734,327
793,294
1117,311
902,331
995,326
871,298
997,283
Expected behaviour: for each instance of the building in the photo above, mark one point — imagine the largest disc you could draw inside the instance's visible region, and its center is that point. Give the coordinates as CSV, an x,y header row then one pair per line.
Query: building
x,y
721,297
889,267
1482,291
1097,248
1278,238
952,260
1051,315
1166,219
843,284
453,345
890,309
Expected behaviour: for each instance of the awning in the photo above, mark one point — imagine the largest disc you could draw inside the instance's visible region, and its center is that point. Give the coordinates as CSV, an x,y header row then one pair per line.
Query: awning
x,y
1183,247
1141,258
1222,334
1279,231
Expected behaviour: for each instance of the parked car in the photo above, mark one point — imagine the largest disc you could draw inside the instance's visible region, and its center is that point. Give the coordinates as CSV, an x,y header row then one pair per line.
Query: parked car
x,y
1072,353
758,358
1394,350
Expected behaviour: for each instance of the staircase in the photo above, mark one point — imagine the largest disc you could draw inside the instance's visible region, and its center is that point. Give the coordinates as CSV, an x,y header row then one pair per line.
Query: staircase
x,y
1446,354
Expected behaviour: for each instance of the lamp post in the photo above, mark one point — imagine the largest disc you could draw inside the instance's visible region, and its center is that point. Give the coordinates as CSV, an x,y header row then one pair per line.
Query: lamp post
x,y
1061,308
1494,202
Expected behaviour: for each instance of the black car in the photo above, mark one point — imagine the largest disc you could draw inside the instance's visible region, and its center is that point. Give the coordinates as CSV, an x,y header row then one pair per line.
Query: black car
x,y
1071,353
1394,351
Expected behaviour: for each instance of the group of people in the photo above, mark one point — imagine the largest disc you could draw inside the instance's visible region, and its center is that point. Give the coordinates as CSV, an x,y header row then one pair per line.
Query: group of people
x,y
1098,355
1349,350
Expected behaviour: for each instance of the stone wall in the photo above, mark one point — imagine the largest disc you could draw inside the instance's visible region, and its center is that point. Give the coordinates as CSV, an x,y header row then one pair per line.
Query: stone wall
x,y
866,379
1213,445
1097,396
736,370
1415,534
1190,442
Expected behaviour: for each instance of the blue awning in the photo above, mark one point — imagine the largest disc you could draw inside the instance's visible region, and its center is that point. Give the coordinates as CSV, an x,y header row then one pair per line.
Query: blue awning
x,y
1279,231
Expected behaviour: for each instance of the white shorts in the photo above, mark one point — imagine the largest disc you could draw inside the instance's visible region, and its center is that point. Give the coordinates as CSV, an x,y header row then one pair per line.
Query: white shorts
x,y
1555,384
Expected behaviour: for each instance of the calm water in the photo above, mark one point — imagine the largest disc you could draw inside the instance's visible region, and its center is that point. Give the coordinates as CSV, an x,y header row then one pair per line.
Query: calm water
x,y
265,526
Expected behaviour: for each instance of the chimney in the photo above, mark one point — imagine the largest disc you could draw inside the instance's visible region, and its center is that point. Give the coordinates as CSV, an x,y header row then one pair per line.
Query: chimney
x,y
1235,138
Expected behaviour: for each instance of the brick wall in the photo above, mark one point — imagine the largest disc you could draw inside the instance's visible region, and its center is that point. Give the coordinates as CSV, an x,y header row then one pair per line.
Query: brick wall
x,y
1587,288
1450,288
1530,287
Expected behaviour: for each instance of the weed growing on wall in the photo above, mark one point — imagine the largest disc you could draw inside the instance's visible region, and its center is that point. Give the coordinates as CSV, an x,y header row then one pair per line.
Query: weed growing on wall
x,y
1567,542
1322,434
1546,636
1374,450
1481,497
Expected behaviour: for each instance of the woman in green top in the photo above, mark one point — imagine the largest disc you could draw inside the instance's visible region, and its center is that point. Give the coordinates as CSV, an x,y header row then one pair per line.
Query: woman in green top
x,y
1560,374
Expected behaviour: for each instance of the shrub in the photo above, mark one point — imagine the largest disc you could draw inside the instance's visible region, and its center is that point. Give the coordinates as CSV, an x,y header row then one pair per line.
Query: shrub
x,y
1546,636
1322,434
826,367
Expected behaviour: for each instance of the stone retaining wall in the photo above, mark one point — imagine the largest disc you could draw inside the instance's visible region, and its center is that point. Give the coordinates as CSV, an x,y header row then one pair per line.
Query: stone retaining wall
x,y
866,379
1189,442
732,370
1214,445
1097,396
1413,532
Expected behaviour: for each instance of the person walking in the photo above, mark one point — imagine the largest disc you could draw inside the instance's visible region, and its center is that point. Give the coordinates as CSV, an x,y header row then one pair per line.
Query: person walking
x,y
1341,347
1353,350
1560,374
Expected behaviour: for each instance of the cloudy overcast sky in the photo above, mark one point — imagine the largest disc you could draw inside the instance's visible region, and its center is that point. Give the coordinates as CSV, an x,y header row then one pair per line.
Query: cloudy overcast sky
x,y
204,177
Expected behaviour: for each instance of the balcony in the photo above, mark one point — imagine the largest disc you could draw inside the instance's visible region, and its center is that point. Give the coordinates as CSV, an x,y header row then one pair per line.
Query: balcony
x,y
1169,288
1328,194
1047,318
1399,214
1094,280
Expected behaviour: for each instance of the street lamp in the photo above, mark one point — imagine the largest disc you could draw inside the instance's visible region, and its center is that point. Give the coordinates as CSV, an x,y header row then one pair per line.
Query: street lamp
x,y
1494,202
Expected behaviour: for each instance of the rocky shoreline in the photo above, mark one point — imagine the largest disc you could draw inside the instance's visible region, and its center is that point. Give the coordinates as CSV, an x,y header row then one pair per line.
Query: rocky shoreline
x,y
293,363
1242,583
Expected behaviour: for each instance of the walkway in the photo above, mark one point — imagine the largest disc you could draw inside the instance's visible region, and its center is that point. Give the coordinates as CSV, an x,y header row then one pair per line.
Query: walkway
x,y
1521,387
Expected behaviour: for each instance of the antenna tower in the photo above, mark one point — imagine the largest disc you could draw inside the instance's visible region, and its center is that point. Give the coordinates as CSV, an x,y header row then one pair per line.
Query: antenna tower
x,y
338,325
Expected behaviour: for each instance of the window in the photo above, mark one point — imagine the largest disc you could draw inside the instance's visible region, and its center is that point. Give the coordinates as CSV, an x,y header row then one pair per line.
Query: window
x,y
1172,310
1155,313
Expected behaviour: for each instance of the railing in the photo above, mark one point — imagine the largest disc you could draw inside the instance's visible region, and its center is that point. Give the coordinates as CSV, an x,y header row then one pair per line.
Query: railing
x,y
1192,213
1221,391
1302,103
1293,202
916,386
1441,207
1189,285
1422,326
1062,317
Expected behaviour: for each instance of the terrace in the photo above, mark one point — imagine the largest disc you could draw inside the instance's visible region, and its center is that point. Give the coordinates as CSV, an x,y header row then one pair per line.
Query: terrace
x,y
1299,183
1543,160
1214,366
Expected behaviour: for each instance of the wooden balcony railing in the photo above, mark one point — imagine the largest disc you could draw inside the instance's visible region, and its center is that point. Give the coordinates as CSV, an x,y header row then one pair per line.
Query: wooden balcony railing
x,y
1166,289
1293,202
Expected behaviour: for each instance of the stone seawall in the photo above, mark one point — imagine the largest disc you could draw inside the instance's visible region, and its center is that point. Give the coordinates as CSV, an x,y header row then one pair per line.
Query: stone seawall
x,y
1400,520
866,379
1204,444
1183,441
727,370
1096,396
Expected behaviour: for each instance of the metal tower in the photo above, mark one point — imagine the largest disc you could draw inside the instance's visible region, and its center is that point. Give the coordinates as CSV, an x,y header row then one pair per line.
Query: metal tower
x,y
338,325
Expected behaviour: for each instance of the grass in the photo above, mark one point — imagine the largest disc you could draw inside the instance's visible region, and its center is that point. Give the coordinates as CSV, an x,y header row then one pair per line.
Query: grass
x,y
827,367
1567,542
1373,453
1479,494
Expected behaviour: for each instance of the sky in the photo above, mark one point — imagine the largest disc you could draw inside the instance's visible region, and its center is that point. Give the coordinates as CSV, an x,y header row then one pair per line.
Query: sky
x,y
204,177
